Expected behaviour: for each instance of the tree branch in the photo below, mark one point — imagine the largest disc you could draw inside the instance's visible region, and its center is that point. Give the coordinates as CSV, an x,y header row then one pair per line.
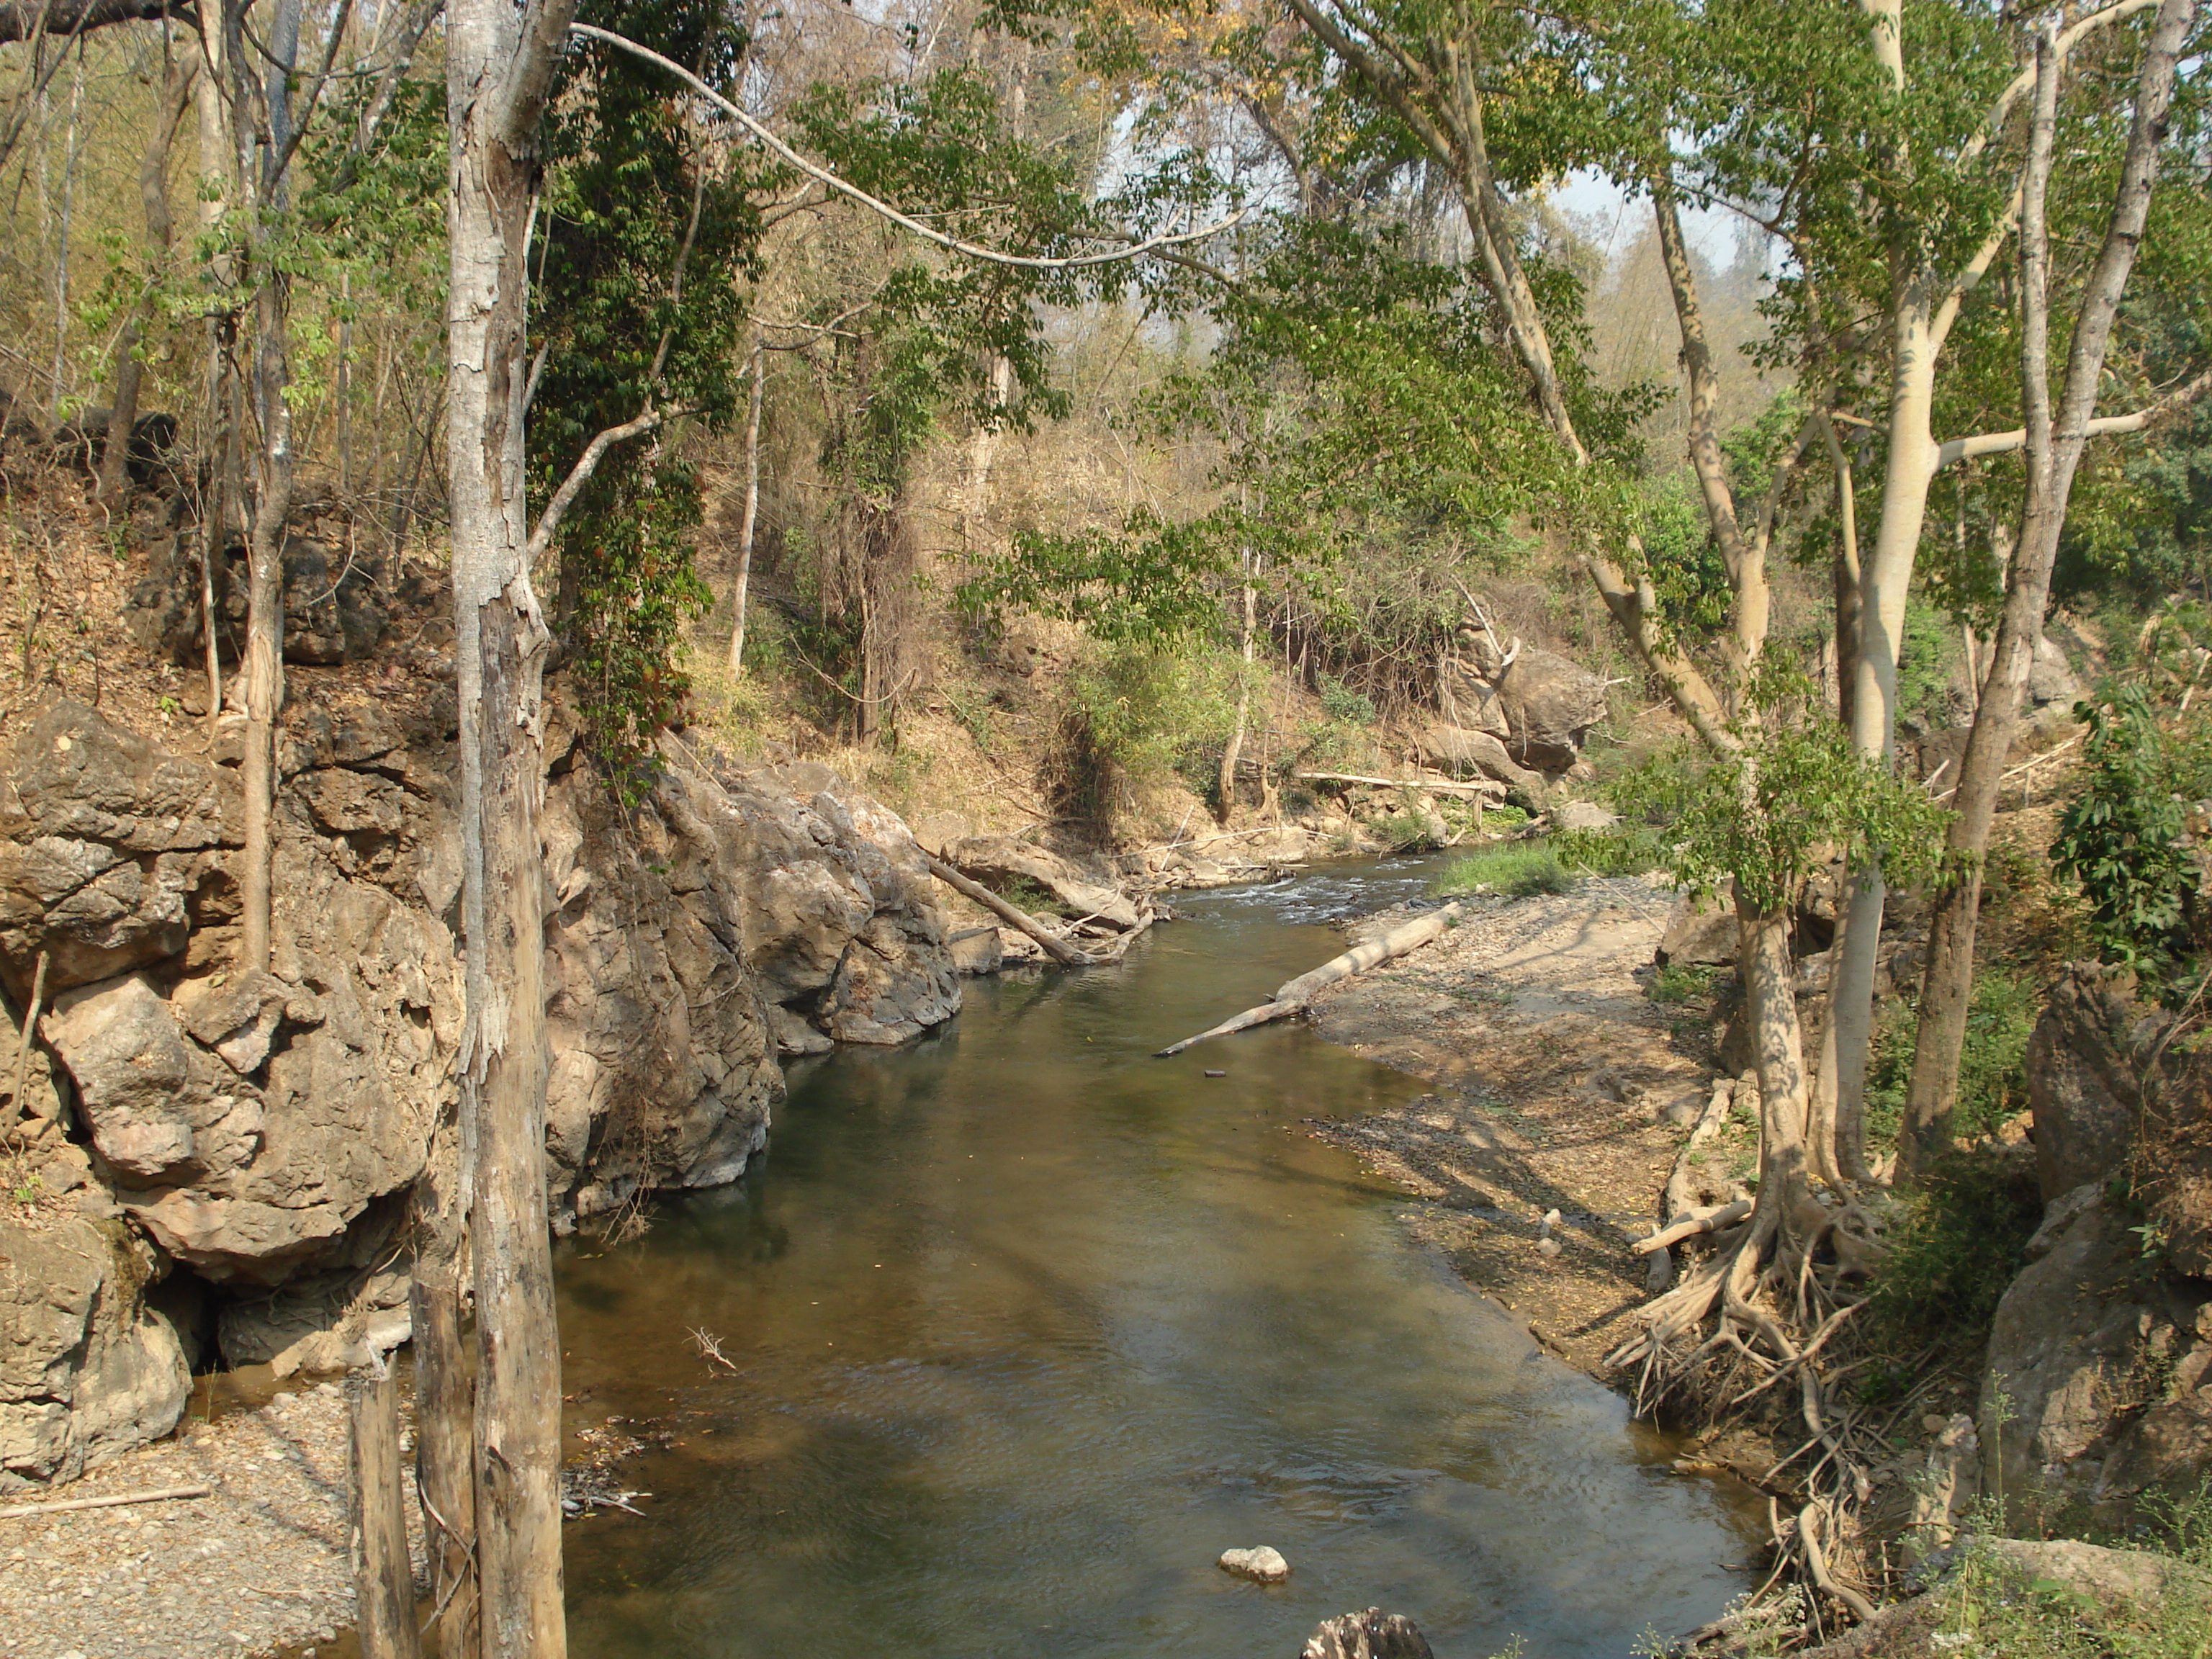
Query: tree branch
x,y
21,20
815,170
579,474
2105,425
2019,83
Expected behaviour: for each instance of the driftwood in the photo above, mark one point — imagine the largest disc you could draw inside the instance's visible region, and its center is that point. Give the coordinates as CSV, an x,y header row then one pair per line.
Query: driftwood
x,y
1428,786
158,1495
1295,995
1373,1634
1711,1219
1678,1199
1053,947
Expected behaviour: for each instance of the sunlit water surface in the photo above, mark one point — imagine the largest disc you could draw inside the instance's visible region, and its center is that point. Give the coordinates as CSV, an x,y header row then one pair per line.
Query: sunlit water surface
x,y
1028,1327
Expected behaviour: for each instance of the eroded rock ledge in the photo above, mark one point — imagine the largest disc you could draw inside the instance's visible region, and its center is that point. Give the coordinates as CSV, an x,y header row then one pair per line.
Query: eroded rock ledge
x,y
223,1157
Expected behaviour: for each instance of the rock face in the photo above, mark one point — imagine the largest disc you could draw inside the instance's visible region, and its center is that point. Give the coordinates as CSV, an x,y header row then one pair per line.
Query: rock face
x,y
335,609
108,850
2080,1081
2096,1382
86,1369
1700,933
1373,1634
262,1131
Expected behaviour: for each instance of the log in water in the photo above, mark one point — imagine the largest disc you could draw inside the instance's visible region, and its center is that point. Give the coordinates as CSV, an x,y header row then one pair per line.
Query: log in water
x,y
1030,1326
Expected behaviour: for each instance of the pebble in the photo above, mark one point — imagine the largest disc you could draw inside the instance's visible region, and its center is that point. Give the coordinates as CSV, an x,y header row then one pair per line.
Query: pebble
x,y
1263,1565
259,1564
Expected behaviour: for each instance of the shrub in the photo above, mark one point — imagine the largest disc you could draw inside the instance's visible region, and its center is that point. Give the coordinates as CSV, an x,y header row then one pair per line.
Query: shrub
x,y
1625,852
1515,872
1954,1244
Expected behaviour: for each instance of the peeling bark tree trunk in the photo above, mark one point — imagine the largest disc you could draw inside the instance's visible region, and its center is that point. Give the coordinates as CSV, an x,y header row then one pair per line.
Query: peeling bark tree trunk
x,y
384,1581
740,599
2054,451
445,1398
499,66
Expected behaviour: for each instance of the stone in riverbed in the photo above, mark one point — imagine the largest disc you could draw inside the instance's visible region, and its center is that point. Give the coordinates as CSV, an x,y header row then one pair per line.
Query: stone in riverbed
x,y
1263,1565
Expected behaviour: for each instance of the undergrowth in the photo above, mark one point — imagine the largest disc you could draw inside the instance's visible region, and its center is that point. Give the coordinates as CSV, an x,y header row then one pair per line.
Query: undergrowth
x,y
1992,1066
1954,1244
1517,871
1625,852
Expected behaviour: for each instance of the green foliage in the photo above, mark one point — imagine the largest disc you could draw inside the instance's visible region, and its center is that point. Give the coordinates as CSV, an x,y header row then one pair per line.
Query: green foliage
x,y
1926,662
2123,838
2000,1017
1628,851
1990,1605
1675,984
1137,715
1792,800
1954,1244
1343,704
1515,871
644,240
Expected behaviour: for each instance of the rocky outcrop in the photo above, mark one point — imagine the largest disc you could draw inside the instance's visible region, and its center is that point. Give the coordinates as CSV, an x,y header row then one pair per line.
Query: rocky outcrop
x,y
2095,1389
1461,751
337,602
1550,704
109,850
87,1369
262,1131
2080,1078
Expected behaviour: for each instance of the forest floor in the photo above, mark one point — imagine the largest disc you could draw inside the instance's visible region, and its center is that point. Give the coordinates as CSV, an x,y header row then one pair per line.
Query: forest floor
x,y
1554,1071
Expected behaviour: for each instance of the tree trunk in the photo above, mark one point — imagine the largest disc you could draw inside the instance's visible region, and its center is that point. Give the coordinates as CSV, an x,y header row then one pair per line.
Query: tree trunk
x,y
2053,452
1233,750
445,1400
746,522
1778,1056
384,1579
497,76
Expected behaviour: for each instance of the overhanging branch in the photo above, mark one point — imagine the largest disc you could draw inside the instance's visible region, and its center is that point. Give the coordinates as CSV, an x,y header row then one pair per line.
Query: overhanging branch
x,y
844,187
2105,425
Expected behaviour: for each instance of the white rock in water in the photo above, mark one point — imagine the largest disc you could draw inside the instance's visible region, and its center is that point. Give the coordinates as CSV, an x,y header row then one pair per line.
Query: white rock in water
x,y
1263,1565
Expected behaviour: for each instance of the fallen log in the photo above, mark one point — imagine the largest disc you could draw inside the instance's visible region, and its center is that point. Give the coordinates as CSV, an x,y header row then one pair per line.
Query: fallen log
x,y
1709,1220
1053,947
1294,995
1430,785
158,1495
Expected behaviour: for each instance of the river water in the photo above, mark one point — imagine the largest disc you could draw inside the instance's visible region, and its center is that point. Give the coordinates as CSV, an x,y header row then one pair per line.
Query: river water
x,y
1028,1327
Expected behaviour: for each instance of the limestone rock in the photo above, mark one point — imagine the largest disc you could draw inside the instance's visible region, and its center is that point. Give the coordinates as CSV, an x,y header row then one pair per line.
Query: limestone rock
x,y
1550,705
1373,1634
1582,815
2081,1080
1700,933
106,843
2063,1355
1263,1565
87,1370
152,1101
978,950
1463,751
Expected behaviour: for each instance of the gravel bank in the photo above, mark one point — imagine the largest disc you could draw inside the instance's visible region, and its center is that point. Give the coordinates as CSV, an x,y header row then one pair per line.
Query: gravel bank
x,y
259,1564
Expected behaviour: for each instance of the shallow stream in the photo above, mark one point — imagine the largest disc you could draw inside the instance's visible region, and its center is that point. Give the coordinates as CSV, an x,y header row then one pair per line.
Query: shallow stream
x,y
1028,1327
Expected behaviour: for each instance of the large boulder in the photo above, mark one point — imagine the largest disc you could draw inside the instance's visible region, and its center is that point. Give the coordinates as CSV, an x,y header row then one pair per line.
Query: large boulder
x,y
108,846
1550,704
2096,1388
2081,1077
87,1369
1700,933
1463,751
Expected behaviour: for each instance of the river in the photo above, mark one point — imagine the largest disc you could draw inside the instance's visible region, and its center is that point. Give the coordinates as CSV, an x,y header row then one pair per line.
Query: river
x,y
1027,1327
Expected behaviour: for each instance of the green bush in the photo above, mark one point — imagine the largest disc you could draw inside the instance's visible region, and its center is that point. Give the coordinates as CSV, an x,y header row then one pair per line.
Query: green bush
x,y
1992,1065
1515,871
1623,852
1138,713
1346,706
1954,1246
1675,983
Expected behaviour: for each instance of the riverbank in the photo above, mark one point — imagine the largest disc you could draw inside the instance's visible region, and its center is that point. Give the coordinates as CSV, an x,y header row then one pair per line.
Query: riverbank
x,y
1555,1076
257,1564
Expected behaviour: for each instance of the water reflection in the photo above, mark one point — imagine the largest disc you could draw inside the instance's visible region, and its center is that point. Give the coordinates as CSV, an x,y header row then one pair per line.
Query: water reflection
x,y
1030,1326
